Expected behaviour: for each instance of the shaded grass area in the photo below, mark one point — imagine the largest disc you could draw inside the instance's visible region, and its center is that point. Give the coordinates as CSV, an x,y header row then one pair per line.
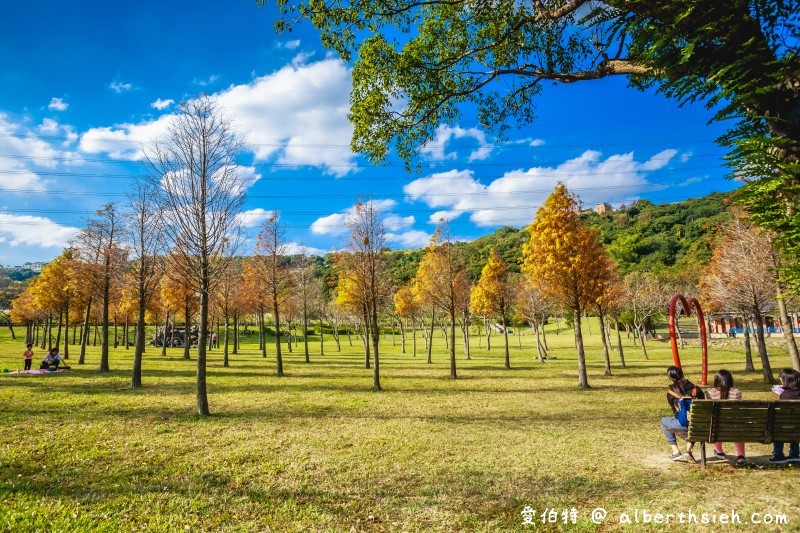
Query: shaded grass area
x,y
319,450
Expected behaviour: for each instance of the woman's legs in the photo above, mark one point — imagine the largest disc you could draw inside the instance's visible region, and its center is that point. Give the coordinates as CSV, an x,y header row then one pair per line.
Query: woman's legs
x,y
739,449
669,425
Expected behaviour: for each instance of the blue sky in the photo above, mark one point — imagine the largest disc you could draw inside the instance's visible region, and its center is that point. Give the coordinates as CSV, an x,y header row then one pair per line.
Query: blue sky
x,y
87,84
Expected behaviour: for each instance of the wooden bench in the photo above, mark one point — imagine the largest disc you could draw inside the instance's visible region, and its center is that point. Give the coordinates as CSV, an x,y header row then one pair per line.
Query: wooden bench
x,y
742,421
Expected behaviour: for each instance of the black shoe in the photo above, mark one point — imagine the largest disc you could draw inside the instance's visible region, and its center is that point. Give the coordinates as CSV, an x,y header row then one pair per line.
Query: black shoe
x,y
741,461
719,455
778,459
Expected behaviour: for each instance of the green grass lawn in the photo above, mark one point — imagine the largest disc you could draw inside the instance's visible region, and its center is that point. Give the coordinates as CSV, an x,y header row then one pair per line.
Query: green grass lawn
x,y
319,450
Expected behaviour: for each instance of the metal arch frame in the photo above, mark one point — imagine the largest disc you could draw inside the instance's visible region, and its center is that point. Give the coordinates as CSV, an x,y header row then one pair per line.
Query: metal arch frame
x,y
687,308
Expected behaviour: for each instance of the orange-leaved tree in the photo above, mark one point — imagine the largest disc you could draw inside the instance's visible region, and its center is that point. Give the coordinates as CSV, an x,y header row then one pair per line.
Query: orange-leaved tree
x,y
442,280
491,295
566,259
407,307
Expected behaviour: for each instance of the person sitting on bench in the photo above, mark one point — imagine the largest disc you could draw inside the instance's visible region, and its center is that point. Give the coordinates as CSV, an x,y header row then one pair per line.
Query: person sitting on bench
x,y
789,390
723,389
51,360
670,424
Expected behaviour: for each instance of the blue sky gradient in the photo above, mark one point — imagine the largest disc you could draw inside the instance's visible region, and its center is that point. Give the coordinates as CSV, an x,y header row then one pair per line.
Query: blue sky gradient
x,y
88,84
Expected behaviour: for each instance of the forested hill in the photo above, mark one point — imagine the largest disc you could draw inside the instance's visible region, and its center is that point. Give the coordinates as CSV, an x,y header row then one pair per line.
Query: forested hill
x,y
670,238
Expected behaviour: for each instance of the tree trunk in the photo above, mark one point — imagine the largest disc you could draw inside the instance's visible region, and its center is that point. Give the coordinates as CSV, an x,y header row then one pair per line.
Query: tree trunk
x,y
278,356
544,338
402,337
260,332
619,343
465,329
46,333
186,341
58,333
452,341
366,339
202,392
430,338
761,346
263,332
236,333
305,332
85,332
321,339
606,353
748,351
138,352
225,362
505,341
376,369
488,334
164,337
788,334
640,329
66,330
539,350
583,380
413,338
106,301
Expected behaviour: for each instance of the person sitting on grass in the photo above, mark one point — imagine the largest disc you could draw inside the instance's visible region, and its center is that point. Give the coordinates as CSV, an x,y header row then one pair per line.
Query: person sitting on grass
x,y
51,360
788,390
723,390
670,424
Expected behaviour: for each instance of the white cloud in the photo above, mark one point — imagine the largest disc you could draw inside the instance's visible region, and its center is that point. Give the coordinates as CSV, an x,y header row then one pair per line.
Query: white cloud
x,y
659,161
288,45
26,152
248,175
124,141
162,104
294,248
118,86
296,116
435,150
529,141
57,104
410,239
447,216
395,222
336,223
34,231
52,127
254,218
514,197
685,156
205,82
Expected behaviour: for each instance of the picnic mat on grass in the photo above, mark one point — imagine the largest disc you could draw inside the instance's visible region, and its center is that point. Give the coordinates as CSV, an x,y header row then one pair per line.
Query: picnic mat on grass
x,y
36,372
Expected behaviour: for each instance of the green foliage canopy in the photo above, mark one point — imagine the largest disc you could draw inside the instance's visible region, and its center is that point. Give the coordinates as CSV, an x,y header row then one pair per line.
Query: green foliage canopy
x,y
419,64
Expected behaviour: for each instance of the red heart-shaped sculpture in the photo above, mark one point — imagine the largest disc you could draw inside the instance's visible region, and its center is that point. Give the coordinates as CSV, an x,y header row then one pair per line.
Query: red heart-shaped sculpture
x,y
687,308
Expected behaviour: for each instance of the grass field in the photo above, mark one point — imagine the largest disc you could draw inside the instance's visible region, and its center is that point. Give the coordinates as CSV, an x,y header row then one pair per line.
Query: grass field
x,y
319,450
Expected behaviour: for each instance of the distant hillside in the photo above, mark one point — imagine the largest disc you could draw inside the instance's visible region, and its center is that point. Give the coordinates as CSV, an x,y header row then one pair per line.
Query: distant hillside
x,y
669,238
